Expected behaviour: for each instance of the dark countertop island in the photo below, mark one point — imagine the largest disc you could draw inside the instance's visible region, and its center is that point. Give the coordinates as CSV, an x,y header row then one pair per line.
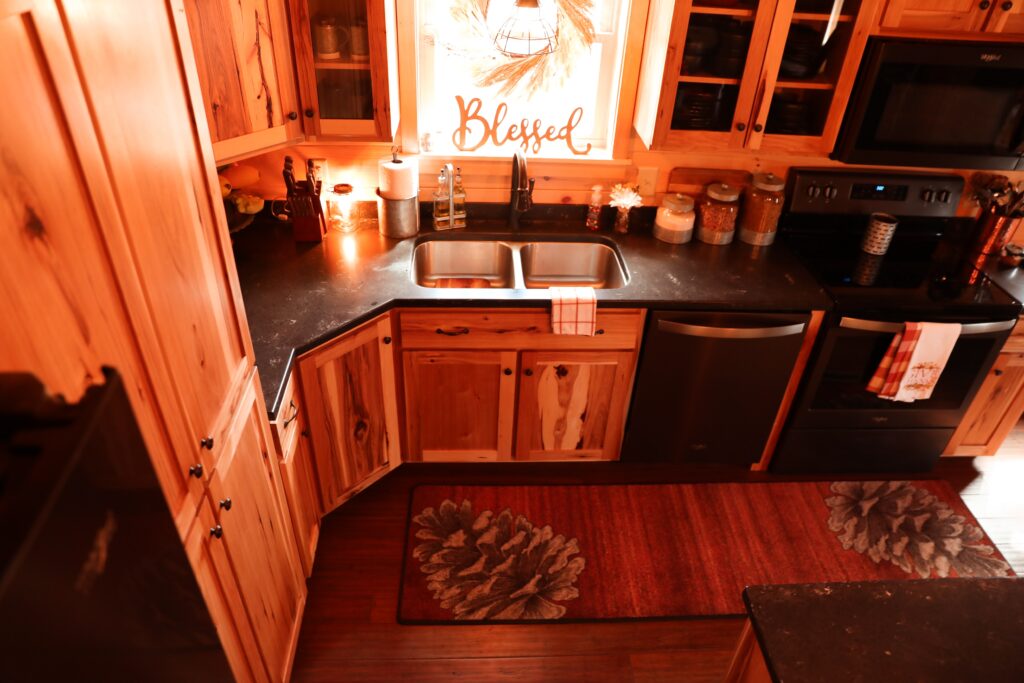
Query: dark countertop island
x,y
300,296
935,630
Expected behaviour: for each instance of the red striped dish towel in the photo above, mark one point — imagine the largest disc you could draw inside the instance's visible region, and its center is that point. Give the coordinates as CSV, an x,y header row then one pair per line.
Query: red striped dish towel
x,y
573,310
914,361
886,380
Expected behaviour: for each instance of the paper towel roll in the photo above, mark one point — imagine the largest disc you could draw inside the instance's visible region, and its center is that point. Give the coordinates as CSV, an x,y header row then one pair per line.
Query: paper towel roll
x,y
399,179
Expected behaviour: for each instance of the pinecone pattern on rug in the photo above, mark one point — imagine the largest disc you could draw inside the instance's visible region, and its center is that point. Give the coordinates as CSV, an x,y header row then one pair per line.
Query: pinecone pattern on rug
x,y
487,567
893,521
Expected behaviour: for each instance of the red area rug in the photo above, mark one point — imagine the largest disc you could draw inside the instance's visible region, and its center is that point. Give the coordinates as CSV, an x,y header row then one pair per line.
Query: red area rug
x,y
534,553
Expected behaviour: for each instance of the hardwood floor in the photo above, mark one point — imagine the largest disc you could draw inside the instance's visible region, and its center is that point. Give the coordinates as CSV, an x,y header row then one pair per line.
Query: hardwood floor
x,y
350,632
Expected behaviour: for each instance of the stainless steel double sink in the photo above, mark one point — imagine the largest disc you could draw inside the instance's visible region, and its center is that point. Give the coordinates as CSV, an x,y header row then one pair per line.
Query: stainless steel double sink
x,y
510,264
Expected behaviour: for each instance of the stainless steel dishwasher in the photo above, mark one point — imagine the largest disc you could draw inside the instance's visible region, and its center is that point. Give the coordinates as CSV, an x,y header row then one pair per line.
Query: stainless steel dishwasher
x,y
709,385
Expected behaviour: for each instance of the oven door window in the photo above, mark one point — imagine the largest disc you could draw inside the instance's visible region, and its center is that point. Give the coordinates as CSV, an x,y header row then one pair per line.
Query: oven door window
x,y
854,356
973,110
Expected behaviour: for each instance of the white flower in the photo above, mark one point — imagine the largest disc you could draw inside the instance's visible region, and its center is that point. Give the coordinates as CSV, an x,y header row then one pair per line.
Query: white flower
x,y
625,197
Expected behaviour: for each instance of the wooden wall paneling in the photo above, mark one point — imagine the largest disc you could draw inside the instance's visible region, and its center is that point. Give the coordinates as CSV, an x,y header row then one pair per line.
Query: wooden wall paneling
x,y
802,357
572,405
352,411
257,533
217,583
995,410
459,405
164,180
72,262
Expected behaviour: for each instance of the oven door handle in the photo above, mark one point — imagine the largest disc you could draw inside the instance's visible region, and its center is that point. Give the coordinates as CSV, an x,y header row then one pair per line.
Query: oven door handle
x,y
690,330
894,328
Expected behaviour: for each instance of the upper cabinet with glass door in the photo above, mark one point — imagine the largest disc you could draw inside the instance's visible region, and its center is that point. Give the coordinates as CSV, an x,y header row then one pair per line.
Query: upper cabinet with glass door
x,y
753,74
341,52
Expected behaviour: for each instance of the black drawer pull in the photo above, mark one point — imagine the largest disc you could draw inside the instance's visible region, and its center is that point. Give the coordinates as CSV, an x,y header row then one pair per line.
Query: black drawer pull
x,y
216,531
196,470
507,371
599,332
295,414
453,333
1007,6
997,373
225,504
387,340
984,4
206,443
528,372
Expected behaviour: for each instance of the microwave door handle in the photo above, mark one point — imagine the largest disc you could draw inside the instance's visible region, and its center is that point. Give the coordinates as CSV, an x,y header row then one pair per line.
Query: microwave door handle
x,y
893,328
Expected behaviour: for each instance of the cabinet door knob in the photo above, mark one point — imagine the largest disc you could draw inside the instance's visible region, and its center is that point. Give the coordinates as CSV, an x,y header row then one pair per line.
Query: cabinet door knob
x,y
308,113
225,504
984,4
292,115
1007,6
508,371
196,470
758,127
387,340
216,531
206,443
741,126
598,331
528,372
997,373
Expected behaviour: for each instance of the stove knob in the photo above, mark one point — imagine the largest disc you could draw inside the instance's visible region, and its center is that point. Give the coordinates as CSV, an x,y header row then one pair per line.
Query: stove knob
x,y
927,195
813,191
831,192
943,196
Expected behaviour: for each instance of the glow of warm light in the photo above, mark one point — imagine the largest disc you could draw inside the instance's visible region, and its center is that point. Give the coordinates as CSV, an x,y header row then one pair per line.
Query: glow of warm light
x,y
349,250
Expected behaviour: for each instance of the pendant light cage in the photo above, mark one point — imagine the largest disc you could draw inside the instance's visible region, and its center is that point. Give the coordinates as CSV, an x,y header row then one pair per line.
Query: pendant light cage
x,y
526,32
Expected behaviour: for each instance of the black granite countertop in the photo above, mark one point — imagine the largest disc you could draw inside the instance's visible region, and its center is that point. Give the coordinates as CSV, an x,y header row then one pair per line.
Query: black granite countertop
x,y
299,296
934,630
1010,279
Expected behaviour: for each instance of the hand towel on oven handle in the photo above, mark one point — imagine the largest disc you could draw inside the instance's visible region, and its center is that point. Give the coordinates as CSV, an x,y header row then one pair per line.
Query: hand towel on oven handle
x,y
573,310
914,361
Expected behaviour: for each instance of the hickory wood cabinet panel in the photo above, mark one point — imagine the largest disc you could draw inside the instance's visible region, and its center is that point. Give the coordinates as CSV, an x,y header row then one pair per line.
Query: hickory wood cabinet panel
x,y
349,394
253,525
244,61
729,78
995,410
572,404
459,404
291,437
954,16
464,368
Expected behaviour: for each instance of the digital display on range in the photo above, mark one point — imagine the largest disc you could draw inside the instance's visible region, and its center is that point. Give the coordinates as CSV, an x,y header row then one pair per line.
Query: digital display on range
x,y
893,193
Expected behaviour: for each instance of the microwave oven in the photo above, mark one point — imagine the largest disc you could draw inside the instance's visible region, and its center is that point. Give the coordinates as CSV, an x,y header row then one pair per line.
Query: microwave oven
x,y
937,104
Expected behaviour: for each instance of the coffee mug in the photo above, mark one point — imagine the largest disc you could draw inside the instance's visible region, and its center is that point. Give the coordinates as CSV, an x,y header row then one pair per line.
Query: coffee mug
x,y
878,236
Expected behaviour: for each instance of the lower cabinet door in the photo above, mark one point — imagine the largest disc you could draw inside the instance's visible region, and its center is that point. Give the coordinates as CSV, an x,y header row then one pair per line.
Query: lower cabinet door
x,y
254,527
303,496
459,405
995,410
572,404
348,390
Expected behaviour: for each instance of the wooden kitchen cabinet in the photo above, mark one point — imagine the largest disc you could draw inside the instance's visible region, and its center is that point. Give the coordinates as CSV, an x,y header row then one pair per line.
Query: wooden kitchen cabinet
x,y
754,75
255,530
459,404
995,410
298,473
244,60
572,405
349,393
346,59
463,369
954,16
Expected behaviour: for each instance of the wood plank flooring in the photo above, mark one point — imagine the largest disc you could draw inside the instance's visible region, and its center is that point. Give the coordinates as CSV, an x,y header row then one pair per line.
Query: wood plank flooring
x,y
350,633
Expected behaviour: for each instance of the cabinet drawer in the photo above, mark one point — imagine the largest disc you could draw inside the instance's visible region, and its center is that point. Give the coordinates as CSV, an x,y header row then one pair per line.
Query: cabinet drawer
x,y
513,328
285,426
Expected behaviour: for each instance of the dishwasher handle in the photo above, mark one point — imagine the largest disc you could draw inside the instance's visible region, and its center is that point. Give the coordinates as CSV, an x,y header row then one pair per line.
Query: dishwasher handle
x,y
894,328
691,330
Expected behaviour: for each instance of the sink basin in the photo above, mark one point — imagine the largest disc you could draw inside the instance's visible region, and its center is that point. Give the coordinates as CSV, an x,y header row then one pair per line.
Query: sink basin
x,y
571,264
464,263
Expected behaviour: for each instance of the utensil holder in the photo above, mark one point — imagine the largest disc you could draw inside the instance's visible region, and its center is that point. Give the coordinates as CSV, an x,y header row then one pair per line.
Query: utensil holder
x,y
993,232
398,218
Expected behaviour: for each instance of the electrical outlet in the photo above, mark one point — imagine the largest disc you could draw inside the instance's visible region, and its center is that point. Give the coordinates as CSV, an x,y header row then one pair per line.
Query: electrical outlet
x,y
646,178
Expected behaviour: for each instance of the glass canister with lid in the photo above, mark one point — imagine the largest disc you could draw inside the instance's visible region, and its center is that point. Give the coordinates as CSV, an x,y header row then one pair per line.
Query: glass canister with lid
x,y
674,221
762,208
718,210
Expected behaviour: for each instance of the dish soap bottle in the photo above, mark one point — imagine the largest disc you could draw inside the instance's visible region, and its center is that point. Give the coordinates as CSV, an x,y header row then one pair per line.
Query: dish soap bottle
x,y
594,209
458,201
442,218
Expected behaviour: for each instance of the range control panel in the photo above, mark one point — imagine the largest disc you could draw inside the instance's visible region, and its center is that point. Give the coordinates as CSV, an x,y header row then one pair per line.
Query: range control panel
x,y
817,190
